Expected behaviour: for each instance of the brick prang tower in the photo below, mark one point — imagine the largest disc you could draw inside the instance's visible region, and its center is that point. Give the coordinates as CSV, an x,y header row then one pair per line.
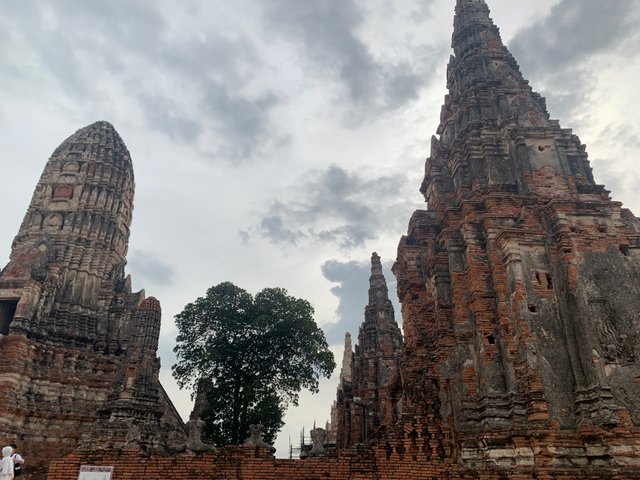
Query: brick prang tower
x,y
367,395
520,283
78,348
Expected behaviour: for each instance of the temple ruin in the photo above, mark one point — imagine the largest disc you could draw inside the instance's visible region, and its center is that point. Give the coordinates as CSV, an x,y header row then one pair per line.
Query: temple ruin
x,y
369,388
520,283
520,293
78,347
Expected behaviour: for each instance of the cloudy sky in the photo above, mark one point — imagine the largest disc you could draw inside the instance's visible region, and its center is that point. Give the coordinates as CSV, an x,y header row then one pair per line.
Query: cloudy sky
x,y
280,142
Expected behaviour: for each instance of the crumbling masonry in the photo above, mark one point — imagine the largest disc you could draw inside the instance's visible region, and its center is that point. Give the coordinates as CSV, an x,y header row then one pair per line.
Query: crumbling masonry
x,y
369,388
520,291
520,284
78,347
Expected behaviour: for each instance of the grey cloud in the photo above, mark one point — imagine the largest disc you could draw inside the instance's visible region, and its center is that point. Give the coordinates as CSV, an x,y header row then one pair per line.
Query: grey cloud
x,y
244,121
212,57
621,185
352,279
328,31
149,269
573,30
61,61
182,84
622,134
422,10
68,36
351,291
627,137
613,172
274,228
612,180
165,115
125,22
555,51
346,236
402,84
78,43
337,206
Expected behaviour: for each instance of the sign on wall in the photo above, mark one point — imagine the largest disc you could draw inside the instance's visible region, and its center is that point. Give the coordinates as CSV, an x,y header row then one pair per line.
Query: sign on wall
x,y
90,472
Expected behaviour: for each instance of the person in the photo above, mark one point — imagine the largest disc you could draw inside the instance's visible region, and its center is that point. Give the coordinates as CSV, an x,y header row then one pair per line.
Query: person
x,y
18,461
6,464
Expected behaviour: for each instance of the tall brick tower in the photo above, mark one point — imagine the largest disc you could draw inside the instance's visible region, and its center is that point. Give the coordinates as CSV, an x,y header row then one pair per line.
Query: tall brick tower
x,y
78,347
520,283
365,404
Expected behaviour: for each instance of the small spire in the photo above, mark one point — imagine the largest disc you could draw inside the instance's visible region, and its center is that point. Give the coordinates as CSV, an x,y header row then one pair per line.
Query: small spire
x,y
376,266
480,57
474,28
378,293
347,360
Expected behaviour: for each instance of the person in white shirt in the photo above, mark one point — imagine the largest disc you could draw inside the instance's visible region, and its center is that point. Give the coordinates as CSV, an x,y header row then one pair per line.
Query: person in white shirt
x,y
6,464
18,461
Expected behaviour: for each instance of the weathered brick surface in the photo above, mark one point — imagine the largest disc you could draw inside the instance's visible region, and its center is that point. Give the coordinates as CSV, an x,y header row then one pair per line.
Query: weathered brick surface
x,y
367,397
78,347
520,285
412,461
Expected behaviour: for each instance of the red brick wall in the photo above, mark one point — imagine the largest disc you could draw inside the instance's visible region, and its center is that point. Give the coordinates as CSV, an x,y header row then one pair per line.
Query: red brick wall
x,y
360,463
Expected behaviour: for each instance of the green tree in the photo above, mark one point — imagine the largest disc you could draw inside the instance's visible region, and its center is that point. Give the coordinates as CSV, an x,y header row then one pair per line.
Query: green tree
x,y
254,354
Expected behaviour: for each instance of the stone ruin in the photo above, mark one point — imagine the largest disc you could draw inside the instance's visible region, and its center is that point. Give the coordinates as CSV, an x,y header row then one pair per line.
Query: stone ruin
x,y
78,347
520,356
519,284
254,438
521,348
369,391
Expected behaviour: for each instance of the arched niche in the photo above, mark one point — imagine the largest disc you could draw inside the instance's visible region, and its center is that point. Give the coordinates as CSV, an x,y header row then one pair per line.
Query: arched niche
x,y
7,312
62,192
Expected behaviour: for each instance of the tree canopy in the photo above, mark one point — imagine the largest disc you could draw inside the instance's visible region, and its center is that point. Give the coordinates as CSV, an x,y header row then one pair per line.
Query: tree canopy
x,y
253,354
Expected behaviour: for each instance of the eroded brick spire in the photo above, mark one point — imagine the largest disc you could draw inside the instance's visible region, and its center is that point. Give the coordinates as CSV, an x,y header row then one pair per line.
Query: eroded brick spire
x,y
76,230
374,368
378,292
489,101
513,314
347,360
473,28
78,345
479,53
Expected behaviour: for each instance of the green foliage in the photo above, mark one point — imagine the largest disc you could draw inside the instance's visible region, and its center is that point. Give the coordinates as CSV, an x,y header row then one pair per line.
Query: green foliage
x,y
255,354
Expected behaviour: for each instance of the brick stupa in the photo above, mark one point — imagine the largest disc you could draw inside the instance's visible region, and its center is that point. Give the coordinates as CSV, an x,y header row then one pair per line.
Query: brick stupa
x,y
369,388
520,284
78,348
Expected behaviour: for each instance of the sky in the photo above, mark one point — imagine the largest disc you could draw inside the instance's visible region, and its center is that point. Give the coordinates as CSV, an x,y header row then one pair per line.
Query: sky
x,y
280,142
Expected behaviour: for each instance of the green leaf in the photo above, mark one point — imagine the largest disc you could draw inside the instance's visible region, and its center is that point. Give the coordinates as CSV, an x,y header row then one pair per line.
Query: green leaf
x,y
250,357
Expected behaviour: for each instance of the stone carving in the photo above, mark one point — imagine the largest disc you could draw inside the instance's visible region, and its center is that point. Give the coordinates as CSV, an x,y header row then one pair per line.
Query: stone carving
x,y
134,434
255,438
194,441
318,437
